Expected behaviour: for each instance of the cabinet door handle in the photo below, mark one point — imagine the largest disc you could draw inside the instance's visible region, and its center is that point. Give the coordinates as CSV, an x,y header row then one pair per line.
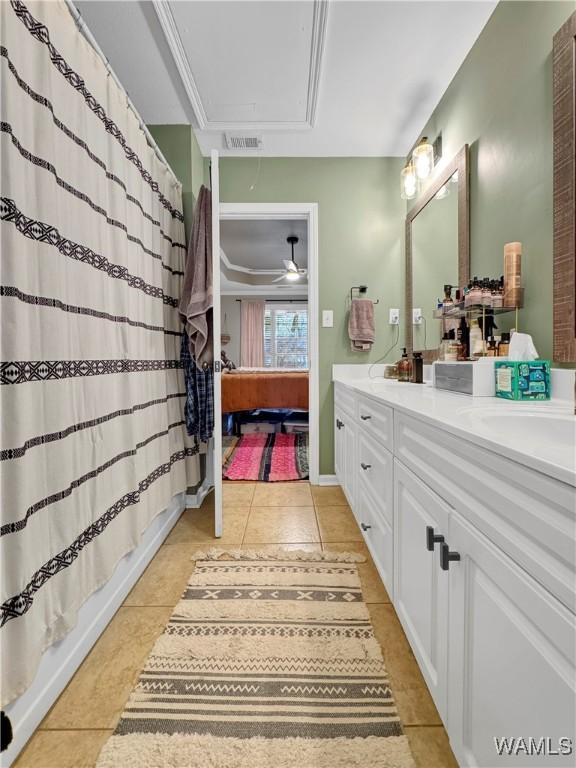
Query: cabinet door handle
x,y
432,538
365,466
339,424
447,557
364,417
365,527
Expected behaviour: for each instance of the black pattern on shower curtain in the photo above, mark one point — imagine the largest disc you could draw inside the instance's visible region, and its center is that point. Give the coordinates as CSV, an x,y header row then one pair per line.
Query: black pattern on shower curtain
x,y
93,444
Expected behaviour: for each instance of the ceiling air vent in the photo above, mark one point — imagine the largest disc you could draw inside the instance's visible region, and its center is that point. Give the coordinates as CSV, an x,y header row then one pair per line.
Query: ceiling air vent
x,y
242,141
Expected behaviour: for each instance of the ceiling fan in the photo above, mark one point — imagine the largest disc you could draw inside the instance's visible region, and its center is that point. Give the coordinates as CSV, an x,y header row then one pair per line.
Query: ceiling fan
x,y
291,270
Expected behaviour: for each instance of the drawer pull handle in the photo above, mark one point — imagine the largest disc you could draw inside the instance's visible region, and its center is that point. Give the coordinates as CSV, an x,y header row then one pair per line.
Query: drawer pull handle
x,y
432,538
365,466
364,417
365,527
447,557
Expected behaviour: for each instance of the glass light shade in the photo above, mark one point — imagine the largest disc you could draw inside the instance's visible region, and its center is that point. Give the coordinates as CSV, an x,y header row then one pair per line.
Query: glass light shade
x,y
408,183
423,158
292,276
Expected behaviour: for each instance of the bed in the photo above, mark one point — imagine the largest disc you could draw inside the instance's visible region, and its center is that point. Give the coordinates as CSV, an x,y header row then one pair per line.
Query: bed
x,y
246,389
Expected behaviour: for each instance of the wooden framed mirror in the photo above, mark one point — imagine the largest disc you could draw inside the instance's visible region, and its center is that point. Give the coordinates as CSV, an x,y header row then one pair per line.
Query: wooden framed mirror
x,y
437,248
564,77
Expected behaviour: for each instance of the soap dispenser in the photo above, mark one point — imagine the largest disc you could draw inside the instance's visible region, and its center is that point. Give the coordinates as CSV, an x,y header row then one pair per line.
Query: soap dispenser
x,y
404,367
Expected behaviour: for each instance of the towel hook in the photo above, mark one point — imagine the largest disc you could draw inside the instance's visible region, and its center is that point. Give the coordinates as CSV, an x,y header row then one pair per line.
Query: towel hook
x,y
361,290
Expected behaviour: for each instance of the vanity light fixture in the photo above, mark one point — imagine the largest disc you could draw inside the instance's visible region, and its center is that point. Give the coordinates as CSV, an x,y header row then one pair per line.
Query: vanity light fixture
x,y
423,158
408,182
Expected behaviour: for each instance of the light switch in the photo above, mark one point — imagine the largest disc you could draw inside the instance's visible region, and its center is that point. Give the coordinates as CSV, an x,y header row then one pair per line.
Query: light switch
x,y
327,318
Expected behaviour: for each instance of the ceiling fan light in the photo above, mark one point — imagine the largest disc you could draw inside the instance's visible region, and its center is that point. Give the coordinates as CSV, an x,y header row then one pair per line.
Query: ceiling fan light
x,y
292,276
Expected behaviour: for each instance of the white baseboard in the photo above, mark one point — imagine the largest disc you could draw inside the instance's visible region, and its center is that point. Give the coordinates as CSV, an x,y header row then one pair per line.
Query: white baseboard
x,y
328,480
194,500
62,659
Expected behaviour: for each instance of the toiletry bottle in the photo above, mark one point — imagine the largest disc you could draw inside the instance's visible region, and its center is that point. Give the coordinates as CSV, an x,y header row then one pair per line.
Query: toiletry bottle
x,y
448,301
475,294
504,344
464,335
417,368
496,295
452,347
404,367
492,350
476,345
443,347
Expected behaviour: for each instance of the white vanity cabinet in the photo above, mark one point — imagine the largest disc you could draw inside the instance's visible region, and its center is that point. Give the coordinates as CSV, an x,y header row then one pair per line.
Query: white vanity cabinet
x,y
478,554
420,585
512,648
345,442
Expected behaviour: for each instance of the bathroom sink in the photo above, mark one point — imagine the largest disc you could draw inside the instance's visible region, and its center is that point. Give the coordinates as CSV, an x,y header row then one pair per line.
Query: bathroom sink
x,y
530,425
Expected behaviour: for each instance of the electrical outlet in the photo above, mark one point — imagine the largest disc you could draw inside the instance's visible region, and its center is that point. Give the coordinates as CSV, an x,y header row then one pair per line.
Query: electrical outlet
x,y
416,316
394,317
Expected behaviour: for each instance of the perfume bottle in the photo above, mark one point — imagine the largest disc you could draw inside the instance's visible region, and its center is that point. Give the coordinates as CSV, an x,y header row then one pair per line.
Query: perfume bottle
x,y
404,367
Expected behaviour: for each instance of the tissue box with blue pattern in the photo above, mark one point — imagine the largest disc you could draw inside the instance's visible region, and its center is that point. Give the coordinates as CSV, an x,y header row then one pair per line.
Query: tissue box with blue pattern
x,y
523,380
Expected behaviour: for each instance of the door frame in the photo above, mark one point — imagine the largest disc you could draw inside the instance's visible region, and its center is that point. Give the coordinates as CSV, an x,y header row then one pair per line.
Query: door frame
x,y
308,212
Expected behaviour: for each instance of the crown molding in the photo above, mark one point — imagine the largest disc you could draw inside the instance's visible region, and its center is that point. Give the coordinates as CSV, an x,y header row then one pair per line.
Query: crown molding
x,y
166,19
174,41
247,270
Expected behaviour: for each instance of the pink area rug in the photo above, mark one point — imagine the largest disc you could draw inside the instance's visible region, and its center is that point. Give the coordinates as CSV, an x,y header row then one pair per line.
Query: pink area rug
x,y
270,458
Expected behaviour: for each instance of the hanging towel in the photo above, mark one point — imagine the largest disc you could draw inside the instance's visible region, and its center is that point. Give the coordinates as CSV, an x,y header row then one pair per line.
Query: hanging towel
x,y
196,301
199,404
361,324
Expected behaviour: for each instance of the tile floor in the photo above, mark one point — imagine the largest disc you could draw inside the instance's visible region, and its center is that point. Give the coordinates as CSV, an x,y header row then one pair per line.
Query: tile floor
x,y
295,515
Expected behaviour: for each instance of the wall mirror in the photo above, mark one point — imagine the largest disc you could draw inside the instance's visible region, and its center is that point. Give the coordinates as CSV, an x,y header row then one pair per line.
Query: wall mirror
x,y
437,250
564,68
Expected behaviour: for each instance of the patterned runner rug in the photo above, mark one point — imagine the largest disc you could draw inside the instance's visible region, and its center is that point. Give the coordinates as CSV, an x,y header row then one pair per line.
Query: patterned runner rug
x,y
270,458
269,661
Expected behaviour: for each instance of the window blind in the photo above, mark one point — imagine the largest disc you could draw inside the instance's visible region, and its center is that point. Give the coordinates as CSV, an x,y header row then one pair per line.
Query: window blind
x,y
286,336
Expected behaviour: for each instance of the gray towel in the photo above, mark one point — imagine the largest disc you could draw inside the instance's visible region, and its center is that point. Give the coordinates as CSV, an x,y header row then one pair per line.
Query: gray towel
x,y
361,324
196,301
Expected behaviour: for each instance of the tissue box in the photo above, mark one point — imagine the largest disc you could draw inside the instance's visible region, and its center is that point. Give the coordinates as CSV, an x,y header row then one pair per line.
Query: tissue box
x,y
523,380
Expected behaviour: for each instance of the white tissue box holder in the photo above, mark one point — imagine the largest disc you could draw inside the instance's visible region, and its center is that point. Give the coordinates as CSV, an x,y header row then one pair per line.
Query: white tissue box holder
x,y
468,377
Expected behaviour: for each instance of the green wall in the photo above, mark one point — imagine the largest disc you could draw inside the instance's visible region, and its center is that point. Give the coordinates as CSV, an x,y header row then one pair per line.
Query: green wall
x,y
500,102
180,148
360,222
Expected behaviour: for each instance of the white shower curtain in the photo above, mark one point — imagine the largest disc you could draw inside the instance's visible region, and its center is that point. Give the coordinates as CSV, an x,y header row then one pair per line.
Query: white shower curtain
x,y
93,444
252,333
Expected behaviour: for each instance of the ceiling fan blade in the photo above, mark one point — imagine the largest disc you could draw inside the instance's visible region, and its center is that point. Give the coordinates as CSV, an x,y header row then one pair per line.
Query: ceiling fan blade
x,y
278,279
290,265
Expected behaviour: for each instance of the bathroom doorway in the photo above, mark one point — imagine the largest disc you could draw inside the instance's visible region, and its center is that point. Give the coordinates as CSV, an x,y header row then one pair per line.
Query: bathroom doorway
x,y
269,335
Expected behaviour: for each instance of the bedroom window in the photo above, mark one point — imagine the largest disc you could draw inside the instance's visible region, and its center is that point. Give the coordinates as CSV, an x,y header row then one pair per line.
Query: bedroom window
x,y
286,336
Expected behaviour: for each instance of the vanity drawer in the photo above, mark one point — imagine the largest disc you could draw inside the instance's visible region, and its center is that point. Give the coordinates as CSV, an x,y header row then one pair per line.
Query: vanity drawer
x,y
375,472
527,514
377,533
376,419
344,398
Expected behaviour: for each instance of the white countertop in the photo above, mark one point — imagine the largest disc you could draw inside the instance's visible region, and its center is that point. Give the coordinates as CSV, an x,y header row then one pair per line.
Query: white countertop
x,y
540,435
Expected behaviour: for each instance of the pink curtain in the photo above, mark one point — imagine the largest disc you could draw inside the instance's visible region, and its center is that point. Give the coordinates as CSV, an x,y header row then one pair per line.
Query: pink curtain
x,y
252,333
